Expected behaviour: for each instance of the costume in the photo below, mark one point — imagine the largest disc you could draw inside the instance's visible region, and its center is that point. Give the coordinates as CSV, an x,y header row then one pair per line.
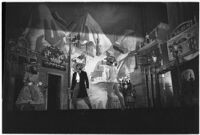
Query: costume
x,y
80,84
108,83
30,95
189,92
115,97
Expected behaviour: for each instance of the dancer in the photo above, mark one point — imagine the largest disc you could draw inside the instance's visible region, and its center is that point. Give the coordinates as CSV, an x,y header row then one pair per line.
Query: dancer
x,y
189,92
31,97
79,87
112,83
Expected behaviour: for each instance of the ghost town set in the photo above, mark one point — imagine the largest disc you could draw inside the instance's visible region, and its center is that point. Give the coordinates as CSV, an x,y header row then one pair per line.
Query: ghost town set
x,y
142,56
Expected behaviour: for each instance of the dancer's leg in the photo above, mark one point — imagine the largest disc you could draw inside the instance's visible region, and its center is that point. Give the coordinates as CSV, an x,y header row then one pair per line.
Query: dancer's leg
x,y
121,98
109,100
87,101
74,95
109,89
74,102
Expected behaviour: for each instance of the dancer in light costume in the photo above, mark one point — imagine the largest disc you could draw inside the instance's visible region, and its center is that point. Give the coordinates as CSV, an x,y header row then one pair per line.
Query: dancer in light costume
x,y
105,80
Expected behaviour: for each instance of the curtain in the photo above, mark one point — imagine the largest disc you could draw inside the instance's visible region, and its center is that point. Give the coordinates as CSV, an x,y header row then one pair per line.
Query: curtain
x,y
180,12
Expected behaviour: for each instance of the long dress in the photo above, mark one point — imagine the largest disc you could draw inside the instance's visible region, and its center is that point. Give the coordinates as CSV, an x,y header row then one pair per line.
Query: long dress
x,y
103,89
30,94
112,89
102,92
98,92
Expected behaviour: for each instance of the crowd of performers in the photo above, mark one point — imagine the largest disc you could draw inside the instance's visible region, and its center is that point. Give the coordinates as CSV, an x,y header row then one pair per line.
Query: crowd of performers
x,y
120,94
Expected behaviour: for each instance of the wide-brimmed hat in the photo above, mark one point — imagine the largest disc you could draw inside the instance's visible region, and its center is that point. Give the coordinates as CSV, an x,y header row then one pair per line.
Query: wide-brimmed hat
x,y
110,58
79,61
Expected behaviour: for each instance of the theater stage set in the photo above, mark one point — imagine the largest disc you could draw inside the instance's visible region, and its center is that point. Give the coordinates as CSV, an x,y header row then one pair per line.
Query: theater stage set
x,y
155,47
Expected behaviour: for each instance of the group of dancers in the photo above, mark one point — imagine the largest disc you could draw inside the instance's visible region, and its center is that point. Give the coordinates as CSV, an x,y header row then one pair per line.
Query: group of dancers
x,y
80,86
32,94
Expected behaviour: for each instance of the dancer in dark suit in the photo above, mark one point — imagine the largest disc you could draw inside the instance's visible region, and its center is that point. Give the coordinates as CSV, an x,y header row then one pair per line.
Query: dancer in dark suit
x,y
79,87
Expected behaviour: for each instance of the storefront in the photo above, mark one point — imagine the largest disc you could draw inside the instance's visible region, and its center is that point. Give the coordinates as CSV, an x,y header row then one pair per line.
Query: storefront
x,y
179,78
150,58
52,74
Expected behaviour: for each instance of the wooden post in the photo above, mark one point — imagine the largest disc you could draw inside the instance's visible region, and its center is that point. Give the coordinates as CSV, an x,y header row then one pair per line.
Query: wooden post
x,y
178,74
153,88
69,75
147,85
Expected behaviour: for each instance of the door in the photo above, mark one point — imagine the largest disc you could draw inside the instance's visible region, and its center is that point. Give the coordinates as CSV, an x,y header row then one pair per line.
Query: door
x,y
54,87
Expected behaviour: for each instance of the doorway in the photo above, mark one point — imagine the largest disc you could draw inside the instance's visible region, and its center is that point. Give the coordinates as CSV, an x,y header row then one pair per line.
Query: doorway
x,y
54,87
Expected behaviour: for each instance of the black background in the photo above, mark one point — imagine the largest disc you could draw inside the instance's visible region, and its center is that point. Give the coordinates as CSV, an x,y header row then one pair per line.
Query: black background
x,y
177,120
